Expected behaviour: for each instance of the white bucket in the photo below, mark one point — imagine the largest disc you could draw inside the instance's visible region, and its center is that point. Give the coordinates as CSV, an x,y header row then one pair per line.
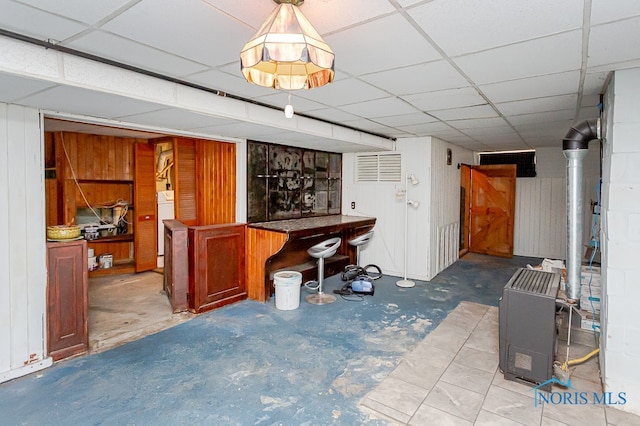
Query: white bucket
x,y
287,285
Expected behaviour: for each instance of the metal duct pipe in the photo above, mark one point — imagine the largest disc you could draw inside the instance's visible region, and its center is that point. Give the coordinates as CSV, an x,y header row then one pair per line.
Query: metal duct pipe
x,y
574,147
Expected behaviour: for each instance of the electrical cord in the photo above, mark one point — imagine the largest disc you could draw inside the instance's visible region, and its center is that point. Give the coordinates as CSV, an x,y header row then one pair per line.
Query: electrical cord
x,y
119,202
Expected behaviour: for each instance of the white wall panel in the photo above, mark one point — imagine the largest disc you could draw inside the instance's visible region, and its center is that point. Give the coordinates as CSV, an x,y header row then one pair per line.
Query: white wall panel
x,y
620,346
379,200
540,221
541,212
23,250
445,204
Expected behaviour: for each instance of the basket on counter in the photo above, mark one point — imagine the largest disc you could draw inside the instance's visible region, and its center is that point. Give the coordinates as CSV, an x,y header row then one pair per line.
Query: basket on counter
x,y
63,232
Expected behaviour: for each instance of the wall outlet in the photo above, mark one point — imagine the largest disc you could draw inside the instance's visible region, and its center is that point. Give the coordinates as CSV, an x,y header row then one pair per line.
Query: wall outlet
x,y
353,205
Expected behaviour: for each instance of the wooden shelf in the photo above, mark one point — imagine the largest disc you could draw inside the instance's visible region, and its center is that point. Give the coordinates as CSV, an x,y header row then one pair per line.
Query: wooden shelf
x,y
119,267
113,239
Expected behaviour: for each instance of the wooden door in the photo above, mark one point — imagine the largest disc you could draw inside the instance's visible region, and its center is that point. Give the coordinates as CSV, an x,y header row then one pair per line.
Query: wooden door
x,y
67,299
216,266
493,195
144,208
184,160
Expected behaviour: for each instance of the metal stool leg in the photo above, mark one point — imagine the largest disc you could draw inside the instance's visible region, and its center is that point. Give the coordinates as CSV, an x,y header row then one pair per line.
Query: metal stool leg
x,y
320,298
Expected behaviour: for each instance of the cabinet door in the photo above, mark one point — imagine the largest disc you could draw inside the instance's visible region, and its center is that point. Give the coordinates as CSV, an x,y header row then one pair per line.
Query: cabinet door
x,y
184,157
67,316
144,208
216,266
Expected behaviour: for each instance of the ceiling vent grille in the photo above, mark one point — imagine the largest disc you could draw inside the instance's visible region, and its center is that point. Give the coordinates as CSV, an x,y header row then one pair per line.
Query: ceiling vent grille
x,y
379,168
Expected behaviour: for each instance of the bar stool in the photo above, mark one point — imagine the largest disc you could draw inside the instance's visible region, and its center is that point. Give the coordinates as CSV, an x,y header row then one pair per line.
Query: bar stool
x,y
358,242
321,251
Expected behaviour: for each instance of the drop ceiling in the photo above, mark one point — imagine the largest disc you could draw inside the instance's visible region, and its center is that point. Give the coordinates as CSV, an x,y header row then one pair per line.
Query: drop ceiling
x,y
484,75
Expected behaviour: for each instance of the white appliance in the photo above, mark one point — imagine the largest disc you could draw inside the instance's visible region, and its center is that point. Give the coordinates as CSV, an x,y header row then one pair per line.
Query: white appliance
x,y
165,211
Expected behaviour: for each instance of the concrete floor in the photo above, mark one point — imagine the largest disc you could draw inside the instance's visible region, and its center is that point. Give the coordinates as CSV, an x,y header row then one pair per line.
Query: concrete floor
x,y
124,308
391,358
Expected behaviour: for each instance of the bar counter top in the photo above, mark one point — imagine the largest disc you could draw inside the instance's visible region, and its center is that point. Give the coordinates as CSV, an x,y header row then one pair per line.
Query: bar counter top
x,y
292,226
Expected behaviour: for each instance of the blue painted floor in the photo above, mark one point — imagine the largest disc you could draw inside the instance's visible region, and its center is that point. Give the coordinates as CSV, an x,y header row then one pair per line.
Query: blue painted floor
x,y
249,363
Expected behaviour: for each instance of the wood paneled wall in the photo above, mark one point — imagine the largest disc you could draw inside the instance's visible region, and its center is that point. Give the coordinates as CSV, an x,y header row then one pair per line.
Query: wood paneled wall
x,y
216,171
204,177
95,157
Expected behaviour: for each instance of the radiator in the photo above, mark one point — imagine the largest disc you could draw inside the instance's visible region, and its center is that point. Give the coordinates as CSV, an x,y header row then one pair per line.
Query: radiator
x,y
448,249
528,327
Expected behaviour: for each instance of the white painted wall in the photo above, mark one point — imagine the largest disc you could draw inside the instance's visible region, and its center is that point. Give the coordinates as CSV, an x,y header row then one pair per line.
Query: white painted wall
x,y
445,205
620,338
438,193
22,246
541,212
379,200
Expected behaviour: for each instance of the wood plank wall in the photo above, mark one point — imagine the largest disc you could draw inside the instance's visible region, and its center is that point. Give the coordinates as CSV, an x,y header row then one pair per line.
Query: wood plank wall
x,y
260,246
216,184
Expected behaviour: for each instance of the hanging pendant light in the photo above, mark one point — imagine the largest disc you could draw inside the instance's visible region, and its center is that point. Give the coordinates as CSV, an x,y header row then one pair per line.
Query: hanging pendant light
x,y
287,52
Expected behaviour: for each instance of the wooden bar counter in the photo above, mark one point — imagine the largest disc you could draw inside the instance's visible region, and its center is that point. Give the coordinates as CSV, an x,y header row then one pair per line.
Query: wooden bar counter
x,y
283,244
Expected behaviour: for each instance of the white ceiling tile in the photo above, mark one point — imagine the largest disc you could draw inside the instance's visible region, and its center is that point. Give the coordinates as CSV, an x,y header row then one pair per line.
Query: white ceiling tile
x,y
78,9
14,88
380,108
594,82
343,92
252,17
113,47
611,43
549,55
427,77
87,102
280,98
506,144
358,49
406,3
427,128
492,132
543,118
623,65
445,99
405,119
31,22
557,128
462,26
369,126
333,115
173,25
613,10
175,118
534,87
241,129
333,15
480,111
479,123
234,84
530,106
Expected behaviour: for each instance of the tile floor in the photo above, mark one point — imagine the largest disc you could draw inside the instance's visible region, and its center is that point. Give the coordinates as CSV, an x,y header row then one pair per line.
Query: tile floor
x,y
452,378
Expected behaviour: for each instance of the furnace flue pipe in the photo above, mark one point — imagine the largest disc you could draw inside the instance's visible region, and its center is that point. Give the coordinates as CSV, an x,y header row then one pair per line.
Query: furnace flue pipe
x,y
575,146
